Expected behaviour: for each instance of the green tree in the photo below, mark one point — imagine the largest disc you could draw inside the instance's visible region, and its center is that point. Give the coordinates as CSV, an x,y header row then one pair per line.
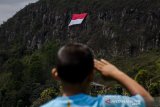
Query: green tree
x,y
49,51
36,69
15,66
144,78
154,88
45,96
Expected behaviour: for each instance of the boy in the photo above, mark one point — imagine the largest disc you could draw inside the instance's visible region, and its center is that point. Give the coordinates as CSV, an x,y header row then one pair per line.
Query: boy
x,y
75,65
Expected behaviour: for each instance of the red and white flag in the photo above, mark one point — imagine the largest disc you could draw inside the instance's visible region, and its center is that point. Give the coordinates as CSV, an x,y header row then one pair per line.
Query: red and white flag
x,y
77,19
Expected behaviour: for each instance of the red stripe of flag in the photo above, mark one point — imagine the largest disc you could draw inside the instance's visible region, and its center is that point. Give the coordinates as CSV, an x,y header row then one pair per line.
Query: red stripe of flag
x,y
79,16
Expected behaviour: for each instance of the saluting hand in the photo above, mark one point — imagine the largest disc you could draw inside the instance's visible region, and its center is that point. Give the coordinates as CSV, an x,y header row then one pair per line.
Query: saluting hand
x,y
105,68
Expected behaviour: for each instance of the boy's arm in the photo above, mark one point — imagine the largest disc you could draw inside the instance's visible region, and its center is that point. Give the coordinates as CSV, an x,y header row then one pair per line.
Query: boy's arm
x,y
109,70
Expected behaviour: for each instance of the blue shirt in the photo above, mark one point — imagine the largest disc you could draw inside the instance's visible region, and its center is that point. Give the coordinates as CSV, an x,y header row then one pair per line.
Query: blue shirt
x,y
84,100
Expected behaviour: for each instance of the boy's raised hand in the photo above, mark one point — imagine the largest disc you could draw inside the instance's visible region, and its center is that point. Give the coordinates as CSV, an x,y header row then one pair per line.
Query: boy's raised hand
x,y
105,68
109,70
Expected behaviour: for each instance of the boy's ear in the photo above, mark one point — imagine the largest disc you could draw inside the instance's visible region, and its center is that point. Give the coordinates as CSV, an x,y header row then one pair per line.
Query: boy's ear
x,y
55,74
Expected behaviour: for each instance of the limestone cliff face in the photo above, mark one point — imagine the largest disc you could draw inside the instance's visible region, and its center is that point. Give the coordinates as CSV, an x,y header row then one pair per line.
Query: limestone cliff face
x,y
113,27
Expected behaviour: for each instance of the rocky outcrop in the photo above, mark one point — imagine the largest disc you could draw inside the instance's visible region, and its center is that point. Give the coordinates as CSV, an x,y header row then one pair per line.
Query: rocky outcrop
x,y
113,27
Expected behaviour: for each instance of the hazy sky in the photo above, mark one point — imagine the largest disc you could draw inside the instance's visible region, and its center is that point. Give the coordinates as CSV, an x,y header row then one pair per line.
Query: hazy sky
x,y
9,7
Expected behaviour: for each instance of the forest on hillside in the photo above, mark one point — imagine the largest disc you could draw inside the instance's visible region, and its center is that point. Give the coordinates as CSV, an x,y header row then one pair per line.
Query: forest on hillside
x,y
27,81
125,32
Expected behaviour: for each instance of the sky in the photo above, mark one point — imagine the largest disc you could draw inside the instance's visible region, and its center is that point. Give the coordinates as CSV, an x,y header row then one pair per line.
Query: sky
x,y
9,7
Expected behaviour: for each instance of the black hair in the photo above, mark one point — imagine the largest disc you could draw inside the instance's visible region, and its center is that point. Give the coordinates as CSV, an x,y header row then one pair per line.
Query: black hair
x,y
74,63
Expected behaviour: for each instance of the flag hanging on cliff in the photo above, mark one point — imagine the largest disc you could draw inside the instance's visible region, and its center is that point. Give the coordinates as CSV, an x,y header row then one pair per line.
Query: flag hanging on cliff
x,y
77,19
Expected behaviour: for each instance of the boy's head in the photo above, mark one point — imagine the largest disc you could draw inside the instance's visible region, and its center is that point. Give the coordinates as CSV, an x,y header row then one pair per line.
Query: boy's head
x,y
75,63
